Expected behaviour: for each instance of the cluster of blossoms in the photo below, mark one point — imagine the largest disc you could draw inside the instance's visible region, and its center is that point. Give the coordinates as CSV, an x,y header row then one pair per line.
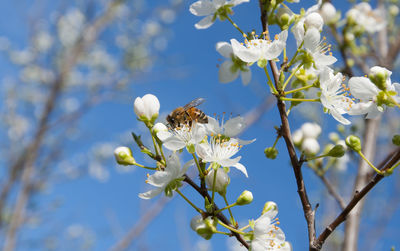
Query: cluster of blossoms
x,y
313,59
215,144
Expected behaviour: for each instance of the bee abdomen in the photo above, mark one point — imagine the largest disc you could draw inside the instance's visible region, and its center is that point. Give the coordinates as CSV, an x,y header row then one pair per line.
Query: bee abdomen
x,y
202,117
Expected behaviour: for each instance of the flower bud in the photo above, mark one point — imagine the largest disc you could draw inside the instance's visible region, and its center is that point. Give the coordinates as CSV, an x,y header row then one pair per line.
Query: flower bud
x,y
310,146
285,17
393,10
337,151
123,156
378,75
205,228
343,143
328,12
221,181
396,140
311,130
245,198
271,152
159,127
354,143
269,206
147,108
314,20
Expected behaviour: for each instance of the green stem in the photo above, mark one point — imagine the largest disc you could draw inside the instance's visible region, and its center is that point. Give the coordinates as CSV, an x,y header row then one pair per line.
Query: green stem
x,y
188,201
244,228
299,89
162,153
154,143
213,186
300,99
317,157
369,163
390,170
230,228
271,85
145,167
290,77
198,165
295,55
229,209
235,25
219,232
276,141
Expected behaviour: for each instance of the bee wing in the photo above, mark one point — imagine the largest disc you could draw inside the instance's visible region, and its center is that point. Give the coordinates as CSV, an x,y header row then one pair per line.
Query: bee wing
x,y
194,103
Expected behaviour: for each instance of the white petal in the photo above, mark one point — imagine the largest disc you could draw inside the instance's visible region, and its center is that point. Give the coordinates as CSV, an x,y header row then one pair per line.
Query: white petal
x,y
204,23
229,162
362,88
237,2
225,74
174,144
212,126
246,76
245,54
234,126
159,179
151,193
324,60
311,39
163,135
261,224
202,8
373,113
225,49
241,168
245,142
203,150
339,117
361,108
199,132
276,46
186,167
298,32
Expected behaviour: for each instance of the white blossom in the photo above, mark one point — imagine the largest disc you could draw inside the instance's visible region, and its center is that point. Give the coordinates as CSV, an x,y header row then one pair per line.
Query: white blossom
x,y
310,146
233,66
310,130
147,107
260,49
332,95
328,12
298,28
209,10
221,180
184,136
167,179
220,150
231,128
318,49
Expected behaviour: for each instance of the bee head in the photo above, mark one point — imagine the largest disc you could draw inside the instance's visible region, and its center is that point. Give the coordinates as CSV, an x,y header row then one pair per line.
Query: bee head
x,y
171,121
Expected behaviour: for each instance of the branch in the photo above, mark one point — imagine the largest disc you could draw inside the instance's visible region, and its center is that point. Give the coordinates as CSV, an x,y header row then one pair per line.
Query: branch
x,y
395,157
220,216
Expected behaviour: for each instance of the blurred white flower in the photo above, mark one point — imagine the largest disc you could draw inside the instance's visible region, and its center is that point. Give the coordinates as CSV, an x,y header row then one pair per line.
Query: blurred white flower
x,y
43,41
310,146
168,179
371,20
209,10
233,66
310,130
21,57
70,27
97,171
328,12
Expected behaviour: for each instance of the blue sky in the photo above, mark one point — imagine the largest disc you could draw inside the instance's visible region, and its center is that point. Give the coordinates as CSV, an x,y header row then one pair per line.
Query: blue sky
x,y
111,208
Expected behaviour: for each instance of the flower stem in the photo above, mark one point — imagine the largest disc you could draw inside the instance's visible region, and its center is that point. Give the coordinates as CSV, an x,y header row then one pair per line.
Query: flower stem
x,y
316,157
271,85
213,186
198,166
188,201
227,207
369,163
295,55
300,99
154,143
145,167
300,89
230,228
276,141
162,152
390,170
290,77
244,228
235,25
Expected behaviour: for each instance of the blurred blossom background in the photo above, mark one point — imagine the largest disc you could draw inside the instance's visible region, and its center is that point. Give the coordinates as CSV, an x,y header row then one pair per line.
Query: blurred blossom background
x,y
69,73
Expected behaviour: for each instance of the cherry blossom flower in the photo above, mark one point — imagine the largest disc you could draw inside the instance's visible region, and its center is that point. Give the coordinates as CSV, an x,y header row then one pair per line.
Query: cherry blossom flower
x,y
333,95
184,136
168,179
260,50
147,107
267,236
314,20
211,9
220,150
233,66
318,49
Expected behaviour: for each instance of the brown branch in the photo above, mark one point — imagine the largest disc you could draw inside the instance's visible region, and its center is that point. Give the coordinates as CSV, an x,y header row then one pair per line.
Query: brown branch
x,y
395,157
220,216
309,213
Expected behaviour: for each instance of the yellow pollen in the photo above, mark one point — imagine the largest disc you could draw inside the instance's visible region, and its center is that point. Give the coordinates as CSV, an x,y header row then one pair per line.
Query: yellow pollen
x,y
244,35
276,37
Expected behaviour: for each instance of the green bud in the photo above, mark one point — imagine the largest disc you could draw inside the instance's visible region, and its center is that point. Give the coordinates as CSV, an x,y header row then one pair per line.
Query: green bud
x,y
354,143
379,80
204,227
299,95
262,63
396,140
123,156
190,148
271,152
337,151
245,198
269,206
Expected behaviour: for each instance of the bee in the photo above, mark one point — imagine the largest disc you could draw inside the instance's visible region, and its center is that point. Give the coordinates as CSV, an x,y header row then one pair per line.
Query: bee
x,y
187,114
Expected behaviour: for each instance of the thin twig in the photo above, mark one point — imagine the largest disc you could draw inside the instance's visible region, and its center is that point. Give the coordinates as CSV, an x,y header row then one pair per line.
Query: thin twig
x,y
333,192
